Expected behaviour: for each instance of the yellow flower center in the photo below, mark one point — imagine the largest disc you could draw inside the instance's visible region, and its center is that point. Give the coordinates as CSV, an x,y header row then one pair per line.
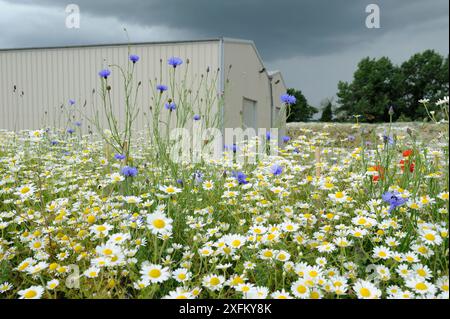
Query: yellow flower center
x,y
159,223
24,265
339,195
421,272
421,286
364,292
301,289
430,237
236,243
154,273
214,281
170,190
314,295
30,294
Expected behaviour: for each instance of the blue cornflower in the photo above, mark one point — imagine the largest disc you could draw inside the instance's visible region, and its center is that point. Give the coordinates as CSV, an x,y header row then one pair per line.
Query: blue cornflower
x,y
77,123
134,58
174,61
394,199
129,171
119,157
351,138
54,142
286,139
70,130
268,136
171,106
288,99
198,177
180,182
161,87
71,101
241,177
388,139
104,73
197,117
276,170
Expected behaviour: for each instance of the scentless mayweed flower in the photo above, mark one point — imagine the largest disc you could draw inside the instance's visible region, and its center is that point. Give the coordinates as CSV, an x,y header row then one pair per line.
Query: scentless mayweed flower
x,y
347,224
104,73
288,99
134,58
129,171
174,61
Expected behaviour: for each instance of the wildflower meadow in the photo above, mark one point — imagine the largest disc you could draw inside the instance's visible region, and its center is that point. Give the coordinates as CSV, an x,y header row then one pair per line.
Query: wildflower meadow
x,y
110,215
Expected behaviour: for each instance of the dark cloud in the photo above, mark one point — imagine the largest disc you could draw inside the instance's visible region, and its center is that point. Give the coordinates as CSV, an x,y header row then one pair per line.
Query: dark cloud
x,y
281,28
315,43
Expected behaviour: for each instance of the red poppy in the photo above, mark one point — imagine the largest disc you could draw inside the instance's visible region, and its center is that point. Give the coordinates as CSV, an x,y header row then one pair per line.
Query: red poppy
x,y
407,153
380,171
411,166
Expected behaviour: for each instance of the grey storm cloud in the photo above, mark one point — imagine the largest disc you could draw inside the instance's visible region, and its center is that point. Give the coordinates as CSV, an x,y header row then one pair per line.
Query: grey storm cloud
x,y
315,43
281,28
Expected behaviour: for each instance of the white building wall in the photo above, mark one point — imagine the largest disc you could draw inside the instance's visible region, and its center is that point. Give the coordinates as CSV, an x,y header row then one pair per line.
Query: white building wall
x,y
248,79
245,81
50,77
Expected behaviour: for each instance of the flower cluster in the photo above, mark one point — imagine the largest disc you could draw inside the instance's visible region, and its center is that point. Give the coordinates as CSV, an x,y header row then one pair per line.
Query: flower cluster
x,y
326,218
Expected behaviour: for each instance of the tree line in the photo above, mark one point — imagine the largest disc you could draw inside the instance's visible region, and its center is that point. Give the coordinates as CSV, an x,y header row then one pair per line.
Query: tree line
x,y
379,85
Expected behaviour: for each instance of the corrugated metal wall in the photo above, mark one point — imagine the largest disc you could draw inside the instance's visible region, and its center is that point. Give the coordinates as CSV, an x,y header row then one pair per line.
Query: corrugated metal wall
x,y
248,80
48,78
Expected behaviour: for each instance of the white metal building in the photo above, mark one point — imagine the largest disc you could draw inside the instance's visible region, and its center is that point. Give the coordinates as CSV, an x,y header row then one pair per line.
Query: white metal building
x,y
35,82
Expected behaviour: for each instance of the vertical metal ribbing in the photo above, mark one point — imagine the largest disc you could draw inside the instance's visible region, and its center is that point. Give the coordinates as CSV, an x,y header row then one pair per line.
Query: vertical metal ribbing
x,y
222,83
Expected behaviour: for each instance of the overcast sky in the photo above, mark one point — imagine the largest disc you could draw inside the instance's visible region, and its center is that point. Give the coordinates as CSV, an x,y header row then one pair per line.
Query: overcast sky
x,y
315,43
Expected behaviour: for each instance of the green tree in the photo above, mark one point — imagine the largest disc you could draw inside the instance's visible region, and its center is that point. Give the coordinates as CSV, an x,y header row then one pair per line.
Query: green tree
x,y
327,113
375,87
301,111
424,75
